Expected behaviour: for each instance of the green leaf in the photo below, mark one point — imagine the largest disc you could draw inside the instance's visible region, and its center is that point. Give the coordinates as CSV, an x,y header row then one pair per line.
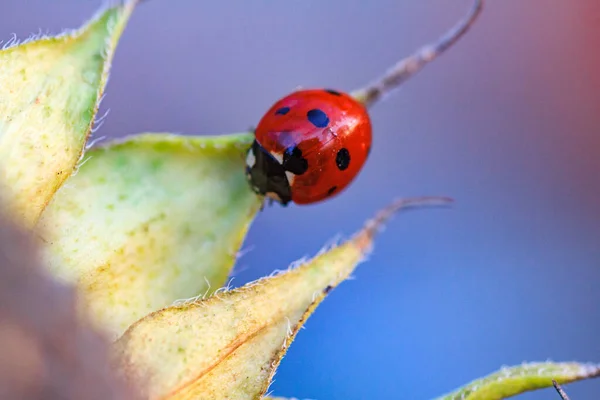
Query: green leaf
x,y
49,94
229,345
279,398
150,220
511,381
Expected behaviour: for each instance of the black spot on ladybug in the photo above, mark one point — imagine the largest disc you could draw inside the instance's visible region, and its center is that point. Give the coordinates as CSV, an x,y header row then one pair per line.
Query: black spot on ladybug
x,y
282,111
369,151
331,190
294,162
342,160
328,289
318,118
333,92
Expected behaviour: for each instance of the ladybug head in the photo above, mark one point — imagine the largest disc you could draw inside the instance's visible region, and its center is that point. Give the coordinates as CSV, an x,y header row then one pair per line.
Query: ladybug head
x,y
266,175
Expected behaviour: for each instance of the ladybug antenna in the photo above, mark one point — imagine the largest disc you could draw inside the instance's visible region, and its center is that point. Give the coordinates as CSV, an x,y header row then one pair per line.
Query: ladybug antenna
x,y
412,64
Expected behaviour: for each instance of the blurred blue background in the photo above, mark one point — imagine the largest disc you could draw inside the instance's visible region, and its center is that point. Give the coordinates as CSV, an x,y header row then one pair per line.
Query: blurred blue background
x,y
507,123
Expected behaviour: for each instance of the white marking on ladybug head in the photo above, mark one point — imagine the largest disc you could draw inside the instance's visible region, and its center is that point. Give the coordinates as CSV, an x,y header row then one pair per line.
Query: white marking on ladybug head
x,y
250,159
278,157
290,177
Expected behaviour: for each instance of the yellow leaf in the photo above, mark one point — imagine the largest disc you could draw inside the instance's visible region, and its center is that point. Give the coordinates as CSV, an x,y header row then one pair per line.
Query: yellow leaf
x,y
49,94
229,345
150,220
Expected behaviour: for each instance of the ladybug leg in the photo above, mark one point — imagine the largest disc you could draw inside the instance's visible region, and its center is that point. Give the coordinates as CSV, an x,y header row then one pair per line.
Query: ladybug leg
x,y
262,205
284,203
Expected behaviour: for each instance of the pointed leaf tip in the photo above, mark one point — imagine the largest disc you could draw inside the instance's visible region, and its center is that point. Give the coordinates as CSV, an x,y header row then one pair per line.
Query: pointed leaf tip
x,y
364,238
50,89
229,345
511,381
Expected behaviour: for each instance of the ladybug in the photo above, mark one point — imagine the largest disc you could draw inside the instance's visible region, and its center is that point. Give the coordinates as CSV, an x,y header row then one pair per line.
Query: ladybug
x,y
309,146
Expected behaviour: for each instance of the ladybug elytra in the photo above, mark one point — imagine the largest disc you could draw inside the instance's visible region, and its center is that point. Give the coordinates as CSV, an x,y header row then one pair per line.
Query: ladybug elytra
x,y
309,146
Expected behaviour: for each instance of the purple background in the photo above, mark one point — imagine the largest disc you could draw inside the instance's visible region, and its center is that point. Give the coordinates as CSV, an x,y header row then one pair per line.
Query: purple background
x,y
507,122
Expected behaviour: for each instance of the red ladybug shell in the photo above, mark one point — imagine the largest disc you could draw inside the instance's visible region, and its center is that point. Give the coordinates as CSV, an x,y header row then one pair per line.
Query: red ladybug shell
x,y
320,140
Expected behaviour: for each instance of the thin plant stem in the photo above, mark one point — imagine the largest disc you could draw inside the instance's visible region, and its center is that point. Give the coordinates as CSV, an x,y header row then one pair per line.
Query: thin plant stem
x,y
412,64
559,389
